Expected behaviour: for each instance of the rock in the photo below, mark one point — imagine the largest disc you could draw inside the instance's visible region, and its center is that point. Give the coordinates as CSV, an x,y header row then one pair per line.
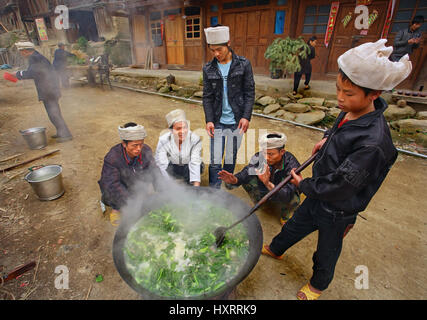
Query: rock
x,y
159,85
401,103
174,87
330,103
258,96
322,108
297,107
283,100
164,89
422,115
198,94
334,112
393,112
410,125
297,96
266,100
185,92
310,117
288,116
312,101
271,108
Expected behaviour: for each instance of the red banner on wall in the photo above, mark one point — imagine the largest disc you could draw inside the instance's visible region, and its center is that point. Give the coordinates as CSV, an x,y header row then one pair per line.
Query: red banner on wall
x,y
387,24
331,22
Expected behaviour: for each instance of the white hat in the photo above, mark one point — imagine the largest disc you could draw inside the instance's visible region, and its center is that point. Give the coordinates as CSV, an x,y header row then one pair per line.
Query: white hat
x,y
217,35
368,66
22,45
175,116
266,142
132,133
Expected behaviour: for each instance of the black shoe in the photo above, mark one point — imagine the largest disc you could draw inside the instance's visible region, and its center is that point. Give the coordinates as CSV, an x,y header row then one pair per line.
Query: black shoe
x,y
64,139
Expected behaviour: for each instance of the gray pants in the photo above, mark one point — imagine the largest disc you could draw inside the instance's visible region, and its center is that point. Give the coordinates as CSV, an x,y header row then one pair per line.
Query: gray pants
x,y
55,116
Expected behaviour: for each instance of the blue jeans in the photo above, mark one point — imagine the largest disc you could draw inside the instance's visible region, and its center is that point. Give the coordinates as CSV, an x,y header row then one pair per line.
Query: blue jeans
x,y
332,227
226,139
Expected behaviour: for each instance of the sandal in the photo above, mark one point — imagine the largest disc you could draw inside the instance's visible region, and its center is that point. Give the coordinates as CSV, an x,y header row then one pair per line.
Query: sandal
x,y
266,250
115,218
309,294
307,87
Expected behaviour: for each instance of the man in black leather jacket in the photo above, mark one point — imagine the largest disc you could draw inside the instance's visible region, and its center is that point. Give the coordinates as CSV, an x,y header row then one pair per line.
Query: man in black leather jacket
x,y
352,162
228,98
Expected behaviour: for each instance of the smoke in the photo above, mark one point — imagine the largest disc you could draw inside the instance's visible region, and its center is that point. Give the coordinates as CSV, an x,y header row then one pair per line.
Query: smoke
x,y
154,190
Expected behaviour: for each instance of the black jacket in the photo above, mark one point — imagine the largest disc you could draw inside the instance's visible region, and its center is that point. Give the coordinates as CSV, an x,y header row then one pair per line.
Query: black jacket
x,y
353,162
306,63
240,89
257,162
401,45
60,59
44,76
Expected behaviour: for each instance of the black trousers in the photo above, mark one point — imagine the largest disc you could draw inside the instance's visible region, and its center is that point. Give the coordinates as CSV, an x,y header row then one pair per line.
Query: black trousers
x,y
332,227
297,79
55,116
182,171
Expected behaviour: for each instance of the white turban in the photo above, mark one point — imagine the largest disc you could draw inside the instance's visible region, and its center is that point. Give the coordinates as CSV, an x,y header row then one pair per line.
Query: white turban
x,y
368,66
217,35
22,45
266,142
132,133
175,116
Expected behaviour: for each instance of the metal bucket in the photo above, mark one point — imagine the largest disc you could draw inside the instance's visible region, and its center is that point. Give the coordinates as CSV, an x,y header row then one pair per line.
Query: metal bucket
x,y
35,137
46,182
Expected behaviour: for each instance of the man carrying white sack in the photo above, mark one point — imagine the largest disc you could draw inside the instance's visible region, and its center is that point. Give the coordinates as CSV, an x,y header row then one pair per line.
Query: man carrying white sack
x,y
126,163
178,152
352,161
228,99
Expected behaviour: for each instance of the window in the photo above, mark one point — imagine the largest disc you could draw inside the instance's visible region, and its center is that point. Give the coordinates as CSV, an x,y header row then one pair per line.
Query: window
x,y
246,3
156,33
192,11
214,8
172,12
316,19
282,2
279,27
214,21
192,28
406,11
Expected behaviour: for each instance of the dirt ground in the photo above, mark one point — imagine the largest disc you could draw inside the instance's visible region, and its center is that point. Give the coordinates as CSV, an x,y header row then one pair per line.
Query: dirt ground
x,y
71,231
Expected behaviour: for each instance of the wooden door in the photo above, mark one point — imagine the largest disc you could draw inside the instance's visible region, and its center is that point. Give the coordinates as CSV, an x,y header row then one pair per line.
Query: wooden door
x,y
174,34
140,43
347,37
249,35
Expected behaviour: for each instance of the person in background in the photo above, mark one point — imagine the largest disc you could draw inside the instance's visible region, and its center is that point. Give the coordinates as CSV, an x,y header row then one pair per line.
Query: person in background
x,y
408,39
178,152
352,161
46,81
305,66
60,64
275,164
126,163
228,99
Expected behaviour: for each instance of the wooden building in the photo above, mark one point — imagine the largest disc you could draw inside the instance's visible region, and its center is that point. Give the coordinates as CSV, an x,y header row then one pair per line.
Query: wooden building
x,y
174,29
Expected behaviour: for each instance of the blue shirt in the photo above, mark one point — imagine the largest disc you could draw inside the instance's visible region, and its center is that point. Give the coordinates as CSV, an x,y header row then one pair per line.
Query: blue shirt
x,y
227,116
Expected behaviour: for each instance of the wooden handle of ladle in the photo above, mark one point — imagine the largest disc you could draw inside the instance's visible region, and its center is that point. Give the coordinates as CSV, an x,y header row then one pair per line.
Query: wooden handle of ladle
x,y
276,189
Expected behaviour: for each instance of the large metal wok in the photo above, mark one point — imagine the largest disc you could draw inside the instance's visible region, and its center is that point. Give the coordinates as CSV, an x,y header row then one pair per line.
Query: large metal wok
x,y
221,199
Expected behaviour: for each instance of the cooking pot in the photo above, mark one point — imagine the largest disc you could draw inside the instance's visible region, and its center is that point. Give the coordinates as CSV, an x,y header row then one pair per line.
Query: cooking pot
x,y
238,207
35,137
46,182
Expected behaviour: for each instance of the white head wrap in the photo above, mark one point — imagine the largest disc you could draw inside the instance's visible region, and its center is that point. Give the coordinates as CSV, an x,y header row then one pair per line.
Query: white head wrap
x,y
21,45
175,116
217,35
368,66
266,142
132,133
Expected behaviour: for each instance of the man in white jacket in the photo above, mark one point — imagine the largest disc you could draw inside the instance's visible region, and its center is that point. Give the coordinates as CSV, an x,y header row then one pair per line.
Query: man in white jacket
x,y
178,152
